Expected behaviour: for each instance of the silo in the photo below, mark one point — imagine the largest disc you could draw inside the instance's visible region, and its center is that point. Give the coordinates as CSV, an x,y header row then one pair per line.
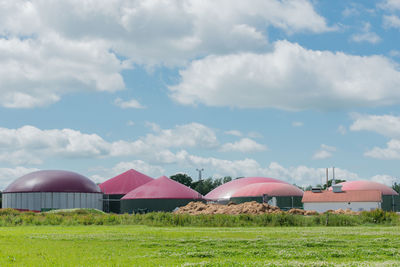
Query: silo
x,y
161,194
52,189
284,196
115,188
390,198
223,193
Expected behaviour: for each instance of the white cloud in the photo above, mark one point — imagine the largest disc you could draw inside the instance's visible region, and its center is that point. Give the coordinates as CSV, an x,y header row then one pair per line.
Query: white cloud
x,y
394,53
234,133
244,145
342,129
30,145
297,124
132,103
254,135
130,123
392,151
301,175
153,126
391,21
272,80
188,135
38,72
384,179
51,48
386,125
366,35
390,5
324,152
8,175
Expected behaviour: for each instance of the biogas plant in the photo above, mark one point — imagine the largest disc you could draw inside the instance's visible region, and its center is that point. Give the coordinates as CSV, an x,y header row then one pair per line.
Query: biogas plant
x,y
135,192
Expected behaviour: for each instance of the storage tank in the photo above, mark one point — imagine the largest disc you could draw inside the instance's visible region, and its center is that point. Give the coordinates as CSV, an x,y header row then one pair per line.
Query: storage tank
x,y
52,189
161,194
284,196
115,188
224,192
390,198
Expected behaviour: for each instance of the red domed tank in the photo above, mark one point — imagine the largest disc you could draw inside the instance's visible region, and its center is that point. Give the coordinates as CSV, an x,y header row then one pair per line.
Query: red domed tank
x,y
367,185
226,190
270,189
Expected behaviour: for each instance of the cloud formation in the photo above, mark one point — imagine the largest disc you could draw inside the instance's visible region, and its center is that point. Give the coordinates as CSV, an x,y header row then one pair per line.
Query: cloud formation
x,y
51,48
244,145
290,78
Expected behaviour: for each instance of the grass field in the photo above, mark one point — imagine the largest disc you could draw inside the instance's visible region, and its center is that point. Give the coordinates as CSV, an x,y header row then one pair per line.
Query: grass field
x,y
127,245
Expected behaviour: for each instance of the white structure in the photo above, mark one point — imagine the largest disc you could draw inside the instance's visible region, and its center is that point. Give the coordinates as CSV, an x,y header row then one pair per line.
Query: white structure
x,y
46,190
353,200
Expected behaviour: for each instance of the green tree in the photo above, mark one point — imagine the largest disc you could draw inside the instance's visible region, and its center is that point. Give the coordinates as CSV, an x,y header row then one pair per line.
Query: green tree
x,y
396,187
226,179
183,179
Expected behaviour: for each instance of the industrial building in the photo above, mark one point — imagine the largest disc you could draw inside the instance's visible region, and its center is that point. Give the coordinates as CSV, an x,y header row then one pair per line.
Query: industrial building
x,y
52,189
161,194
223,193
284,196
356,200
115,188
390,198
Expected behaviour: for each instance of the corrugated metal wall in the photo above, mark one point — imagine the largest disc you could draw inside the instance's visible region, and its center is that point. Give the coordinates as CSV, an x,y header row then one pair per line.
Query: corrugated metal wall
x,y
39,201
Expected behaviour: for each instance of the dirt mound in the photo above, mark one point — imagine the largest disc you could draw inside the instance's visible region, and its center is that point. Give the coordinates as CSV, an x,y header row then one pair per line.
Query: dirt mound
x,y
253,207
342,211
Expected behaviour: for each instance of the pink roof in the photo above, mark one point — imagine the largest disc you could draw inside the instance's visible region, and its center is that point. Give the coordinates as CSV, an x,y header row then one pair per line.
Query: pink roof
x,y
349,196
124,183
270,189
225,191
163,187
367,185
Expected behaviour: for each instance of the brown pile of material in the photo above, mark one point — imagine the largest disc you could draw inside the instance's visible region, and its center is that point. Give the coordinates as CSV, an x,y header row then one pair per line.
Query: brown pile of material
x,y
253,207
342,211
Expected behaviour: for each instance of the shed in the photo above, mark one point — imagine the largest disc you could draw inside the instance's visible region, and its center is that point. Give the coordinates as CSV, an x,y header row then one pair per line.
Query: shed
x,y
390,198
355,200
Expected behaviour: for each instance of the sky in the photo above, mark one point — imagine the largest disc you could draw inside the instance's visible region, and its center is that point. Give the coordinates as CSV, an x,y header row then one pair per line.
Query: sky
x,y
281,89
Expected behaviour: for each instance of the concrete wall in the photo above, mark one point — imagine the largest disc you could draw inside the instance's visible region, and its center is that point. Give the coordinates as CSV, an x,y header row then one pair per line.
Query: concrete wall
x,y
354,206
38,201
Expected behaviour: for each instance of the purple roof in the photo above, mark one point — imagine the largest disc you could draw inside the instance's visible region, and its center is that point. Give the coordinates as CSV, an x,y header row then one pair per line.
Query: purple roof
x,y
53,181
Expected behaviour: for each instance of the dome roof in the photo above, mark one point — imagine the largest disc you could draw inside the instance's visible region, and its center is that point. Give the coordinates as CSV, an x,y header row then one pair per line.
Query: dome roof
x,y
53,181
163,187
226,190
367,185
270,189
124,183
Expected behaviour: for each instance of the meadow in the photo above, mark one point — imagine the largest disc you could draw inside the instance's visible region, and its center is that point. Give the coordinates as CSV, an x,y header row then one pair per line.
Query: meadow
x,y
140,245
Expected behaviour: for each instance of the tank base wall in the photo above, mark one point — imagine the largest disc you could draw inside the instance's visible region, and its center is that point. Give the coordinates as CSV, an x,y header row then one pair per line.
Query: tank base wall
x,y
149,205
112,203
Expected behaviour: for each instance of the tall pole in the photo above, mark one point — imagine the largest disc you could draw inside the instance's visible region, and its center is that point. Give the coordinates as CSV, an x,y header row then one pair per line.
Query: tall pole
x,y
326,178
200,171
333,180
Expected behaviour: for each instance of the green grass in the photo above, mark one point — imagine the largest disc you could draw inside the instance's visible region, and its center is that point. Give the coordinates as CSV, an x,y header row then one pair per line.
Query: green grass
x,y
9,217
127,245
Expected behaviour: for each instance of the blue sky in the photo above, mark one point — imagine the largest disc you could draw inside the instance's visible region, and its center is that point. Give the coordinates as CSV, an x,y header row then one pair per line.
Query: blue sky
x,y
271,88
